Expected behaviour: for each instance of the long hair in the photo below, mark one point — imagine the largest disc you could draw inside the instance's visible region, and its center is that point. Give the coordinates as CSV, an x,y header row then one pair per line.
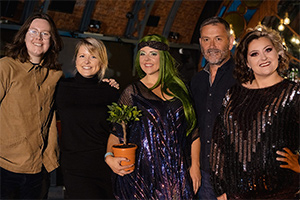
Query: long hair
x,y
169,80
97,48
241,71
17,49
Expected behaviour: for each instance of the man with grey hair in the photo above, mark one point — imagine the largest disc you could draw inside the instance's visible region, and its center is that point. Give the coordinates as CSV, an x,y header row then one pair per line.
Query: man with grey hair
x,y
208,88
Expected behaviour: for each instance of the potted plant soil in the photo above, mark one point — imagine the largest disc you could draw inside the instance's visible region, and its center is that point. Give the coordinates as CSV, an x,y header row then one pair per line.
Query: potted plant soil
x,y
122,114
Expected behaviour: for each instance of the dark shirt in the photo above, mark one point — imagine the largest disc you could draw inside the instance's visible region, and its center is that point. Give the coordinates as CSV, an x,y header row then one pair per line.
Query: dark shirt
x,y
208,101
82,107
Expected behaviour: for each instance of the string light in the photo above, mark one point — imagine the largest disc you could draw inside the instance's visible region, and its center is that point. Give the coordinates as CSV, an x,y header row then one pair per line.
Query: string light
x,y
281,26
233,34
283,42
231,30
293,40
286,20
259,26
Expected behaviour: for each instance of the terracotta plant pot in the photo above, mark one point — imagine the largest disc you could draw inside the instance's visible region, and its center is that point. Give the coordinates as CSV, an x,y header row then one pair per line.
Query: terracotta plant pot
x,y
126,151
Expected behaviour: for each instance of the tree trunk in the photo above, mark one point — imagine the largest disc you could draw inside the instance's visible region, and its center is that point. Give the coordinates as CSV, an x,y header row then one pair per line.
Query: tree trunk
x,y
124,132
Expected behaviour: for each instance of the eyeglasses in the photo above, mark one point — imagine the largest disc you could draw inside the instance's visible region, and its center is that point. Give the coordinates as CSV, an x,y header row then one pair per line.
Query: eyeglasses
x,y
35,33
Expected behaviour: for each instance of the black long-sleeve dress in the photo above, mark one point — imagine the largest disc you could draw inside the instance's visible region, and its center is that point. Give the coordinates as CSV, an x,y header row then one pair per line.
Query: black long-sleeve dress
x,y
82,107
253,125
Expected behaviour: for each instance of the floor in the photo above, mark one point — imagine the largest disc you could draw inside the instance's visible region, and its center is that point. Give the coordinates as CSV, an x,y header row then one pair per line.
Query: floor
x,y
56,193
56,190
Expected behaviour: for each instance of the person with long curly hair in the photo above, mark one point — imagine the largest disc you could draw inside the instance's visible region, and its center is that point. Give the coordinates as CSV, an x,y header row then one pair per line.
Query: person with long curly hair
x,y
256,136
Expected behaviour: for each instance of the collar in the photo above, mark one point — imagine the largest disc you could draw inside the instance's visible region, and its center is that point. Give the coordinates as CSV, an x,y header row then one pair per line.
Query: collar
x,y
79,78
28,66
226,66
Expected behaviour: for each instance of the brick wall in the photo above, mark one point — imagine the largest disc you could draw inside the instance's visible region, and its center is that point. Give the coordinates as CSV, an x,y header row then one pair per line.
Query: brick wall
x,y
112,15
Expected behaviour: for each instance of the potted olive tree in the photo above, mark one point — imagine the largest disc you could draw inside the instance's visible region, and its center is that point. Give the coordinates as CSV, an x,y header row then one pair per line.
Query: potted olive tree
x,y
123,114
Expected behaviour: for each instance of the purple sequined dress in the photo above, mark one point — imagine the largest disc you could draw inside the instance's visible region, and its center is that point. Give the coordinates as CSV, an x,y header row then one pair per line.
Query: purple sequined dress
x,y
162,156
253,125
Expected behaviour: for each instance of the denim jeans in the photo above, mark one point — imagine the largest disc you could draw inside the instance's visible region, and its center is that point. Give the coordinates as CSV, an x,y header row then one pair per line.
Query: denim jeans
x,y
206,191
20,186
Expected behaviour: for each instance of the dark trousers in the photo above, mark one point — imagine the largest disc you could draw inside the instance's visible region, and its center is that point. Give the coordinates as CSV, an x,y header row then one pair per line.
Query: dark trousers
x,y
206,191
80,186
23,186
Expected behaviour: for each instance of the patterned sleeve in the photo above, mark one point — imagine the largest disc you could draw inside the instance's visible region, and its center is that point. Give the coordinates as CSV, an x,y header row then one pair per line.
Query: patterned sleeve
x,y
217,155
297,103
126,96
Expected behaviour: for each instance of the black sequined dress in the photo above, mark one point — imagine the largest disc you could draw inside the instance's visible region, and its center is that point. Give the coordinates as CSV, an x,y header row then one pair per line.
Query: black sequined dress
x,y
161,168
252,126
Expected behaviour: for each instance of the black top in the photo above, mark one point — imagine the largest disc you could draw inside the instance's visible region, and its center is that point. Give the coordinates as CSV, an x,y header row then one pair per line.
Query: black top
x,y
82,108
208,101
252,126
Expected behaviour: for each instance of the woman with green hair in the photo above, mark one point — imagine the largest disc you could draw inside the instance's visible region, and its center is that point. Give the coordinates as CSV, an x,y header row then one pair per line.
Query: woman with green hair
x,y
165,134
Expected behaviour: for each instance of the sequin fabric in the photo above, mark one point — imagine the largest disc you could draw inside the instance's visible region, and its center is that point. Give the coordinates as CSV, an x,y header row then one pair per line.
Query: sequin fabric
x,y
162,156
252,126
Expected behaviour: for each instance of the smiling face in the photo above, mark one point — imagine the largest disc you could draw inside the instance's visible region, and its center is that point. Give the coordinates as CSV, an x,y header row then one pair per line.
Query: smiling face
x,y
215,43
87,64
262,58
149,60
37,45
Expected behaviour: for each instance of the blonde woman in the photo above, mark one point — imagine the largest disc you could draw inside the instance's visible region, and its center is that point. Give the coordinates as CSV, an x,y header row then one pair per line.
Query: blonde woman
x,y
82,107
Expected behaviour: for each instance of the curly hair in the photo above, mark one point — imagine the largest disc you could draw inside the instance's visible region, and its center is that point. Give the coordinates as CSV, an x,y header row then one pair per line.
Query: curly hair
x,y
241,71
17,49
97,48
169,80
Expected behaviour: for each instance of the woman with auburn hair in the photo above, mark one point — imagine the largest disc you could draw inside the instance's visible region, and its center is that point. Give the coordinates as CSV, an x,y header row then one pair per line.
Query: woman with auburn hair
x,y
255,140
165,134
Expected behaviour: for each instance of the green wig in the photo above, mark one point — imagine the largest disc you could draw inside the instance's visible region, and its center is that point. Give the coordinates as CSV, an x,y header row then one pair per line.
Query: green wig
x,y
169,79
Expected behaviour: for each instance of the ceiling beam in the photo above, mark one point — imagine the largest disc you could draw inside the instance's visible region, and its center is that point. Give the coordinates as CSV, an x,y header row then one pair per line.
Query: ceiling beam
x,y
134,25
28,10
86,16
171,18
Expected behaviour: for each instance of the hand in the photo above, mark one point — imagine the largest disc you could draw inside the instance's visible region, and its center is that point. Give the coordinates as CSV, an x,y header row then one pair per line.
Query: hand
x,y
290,158
115,164
222,197
112,82
196,177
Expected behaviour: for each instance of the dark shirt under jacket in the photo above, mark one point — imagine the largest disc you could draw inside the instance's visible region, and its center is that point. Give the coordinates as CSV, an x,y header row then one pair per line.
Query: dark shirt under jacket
x,y
208,101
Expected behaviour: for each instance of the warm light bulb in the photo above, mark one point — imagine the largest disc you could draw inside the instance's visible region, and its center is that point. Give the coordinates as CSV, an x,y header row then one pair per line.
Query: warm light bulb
x,y
286,20
297,41
293,40
283,42
281,26
259,26
231,30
